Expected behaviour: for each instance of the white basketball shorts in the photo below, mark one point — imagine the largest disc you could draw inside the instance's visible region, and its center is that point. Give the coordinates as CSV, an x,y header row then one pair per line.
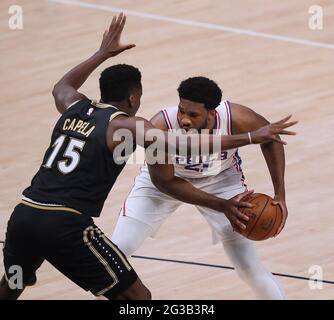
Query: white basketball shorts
x,y
147,204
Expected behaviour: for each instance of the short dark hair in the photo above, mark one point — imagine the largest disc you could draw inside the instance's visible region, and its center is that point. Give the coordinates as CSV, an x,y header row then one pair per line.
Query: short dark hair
x,y
202,90
118,81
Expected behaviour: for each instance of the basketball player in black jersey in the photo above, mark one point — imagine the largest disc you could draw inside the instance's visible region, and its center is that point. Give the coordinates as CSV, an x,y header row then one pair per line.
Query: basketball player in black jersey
x,y
54,221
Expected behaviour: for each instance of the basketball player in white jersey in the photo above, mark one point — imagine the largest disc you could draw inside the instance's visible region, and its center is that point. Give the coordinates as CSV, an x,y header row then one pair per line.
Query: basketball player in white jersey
x,y
161,188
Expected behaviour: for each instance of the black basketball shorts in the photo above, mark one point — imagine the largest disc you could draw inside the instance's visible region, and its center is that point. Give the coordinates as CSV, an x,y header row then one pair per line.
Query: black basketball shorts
x,y
72,243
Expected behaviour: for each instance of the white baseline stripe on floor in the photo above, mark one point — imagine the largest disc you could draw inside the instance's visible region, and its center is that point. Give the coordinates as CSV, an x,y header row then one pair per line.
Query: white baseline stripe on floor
x,y
197,24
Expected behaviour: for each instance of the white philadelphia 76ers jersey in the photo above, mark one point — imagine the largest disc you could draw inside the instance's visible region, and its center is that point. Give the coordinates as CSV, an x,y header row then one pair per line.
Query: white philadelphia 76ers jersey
x,y
212,164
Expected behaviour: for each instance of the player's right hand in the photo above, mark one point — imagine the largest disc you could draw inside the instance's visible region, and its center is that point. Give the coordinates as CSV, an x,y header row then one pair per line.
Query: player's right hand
x,y
271,131
111,45
231,210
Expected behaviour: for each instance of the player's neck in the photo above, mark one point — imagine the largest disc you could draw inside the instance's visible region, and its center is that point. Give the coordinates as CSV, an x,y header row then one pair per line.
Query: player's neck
x,y
120,105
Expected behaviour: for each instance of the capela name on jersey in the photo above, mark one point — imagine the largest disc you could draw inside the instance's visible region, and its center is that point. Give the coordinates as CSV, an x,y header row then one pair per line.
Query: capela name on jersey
x,y
79,126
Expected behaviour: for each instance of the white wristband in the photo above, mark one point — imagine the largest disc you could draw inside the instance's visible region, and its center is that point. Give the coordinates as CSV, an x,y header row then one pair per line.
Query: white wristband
x,y
250,138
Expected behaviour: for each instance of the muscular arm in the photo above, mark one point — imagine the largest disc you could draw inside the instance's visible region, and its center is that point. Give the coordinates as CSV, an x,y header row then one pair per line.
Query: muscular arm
x,y
244,120
142,134
162,176
65,92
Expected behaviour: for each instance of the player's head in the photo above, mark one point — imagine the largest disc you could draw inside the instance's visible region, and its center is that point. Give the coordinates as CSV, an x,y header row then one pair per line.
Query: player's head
x,y
199,97
121,84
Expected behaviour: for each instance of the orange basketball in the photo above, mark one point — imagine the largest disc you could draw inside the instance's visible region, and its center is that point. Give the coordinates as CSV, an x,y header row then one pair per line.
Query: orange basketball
x,y
264,218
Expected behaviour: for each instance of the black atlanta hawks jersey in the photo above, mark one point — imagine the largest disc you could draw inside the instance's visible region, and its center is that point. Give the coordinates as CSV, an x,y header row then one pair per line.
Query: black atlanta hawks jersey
x,y
78,170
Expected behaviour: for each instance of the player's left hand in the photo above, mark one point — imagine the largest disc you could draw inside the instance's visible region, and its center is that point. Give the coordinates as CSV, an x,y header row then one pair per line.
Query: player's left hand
x,y
271,131
111,45
281,202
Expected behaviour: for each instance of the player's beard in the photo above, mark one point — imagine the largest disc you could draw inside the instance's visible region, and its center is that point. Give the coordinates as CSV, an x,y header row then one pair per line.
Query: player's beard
x,y
204,126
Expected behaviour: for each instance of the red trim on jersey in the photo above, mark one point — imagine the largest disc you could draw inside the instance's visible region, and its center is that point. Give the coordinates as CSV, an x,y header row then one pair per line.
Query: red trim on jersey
x,y
167,117
228,117
124,209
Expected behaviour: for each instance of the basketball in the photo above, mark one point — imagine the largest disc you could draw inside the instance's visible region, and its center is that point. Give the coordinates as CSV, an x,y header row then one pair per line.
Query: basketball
x,y
264,218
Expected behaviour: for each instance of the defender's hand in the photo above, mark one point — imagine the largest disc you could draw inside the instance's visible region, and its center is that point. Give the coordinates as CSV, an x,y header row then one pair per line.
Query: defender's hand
x,y
231,210
111,45
271,131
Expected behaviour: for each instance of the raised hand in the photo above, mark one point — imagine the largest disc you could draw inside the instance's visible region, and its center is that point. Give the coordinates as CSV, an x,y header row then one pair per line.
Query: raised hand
x,y
271,131
111,43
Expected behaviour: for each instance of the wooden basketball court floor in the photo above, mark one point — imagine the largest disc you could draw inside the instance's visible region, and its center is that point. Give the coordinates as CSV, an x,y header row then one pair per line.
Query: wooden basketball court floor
x,y
236,44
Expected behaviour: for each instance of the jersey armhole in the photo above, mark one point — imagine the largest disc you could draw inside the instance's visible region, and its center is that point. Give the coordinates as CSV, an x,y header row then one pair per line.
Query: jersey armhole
x,y
112,117
73,103
228,117
116,114
166,118
229,107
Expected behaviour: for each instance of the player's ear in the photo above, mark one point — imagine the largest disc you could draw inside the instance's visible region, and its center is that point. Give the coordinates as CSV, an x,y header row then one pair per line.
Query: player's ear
x,y
131,101
212,113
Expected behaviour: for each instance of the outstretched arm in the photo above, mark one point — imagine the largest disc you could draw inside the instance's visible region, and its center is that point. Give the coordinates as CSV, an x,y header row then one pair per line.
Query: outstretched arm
x,y
142,133
65,92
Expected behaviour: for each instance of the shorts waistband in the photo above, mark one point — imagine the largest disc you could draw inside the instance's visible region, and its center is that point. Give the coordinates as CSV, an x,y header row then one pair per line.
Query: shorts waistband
x,y
47,206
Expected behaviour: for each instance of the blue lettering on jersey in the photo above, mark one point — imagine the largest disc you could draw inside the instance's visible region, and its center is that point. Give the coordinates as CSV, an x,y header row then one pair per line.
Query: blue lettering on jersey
x,y
199,163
